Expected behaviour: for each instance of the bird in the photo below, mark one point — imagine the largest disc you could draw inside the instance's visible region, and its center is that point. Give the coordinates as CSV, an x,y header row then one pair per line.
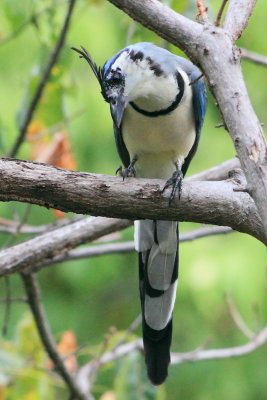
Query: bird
x,y
157,102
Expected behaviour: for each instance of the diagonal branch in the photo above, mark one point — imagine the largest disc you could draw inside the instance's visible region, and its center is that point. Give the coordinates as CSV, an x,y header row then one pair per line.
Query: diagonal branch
x,y
161,19
237,17
44,247
33,292
44,79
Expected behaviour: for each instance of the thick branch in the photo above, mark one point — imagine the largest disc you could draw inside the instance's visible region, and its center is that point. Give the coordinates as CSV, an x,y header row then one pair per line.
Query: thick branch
x,y
44,79
158,17
44,247
237,17
216,203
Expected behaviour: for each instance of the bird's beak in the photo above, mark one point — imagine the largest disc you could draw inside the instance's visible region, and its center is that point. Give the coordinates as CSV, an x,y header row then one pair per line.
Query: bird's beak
x,y
117,107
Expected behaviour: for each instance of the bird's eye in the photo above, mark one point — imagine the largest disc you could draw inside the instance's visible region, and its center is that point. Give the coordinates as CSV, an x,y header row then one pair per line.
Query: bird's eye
x,y
115,77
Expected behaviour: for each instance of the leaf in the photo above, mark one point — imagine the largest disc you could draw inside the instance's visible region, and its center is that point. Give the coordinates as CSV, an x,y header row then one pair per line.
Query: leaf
x,y
67,347
109,395
132,383
16,12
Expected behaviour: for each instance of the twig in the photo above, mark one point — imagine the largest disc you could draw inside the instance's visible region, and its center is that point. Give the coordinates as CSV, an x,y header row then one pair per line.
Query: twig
x,y
7,305
219,16
33,292
126,247
44,79
15,300
257,341
9,226
237,318
195,80
254,57
202,11
200,354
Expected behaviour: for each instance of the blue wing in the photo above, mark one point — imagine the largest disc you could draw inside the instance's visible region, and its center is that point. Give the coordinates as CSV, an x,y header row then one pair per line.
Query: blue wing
x,y
199,106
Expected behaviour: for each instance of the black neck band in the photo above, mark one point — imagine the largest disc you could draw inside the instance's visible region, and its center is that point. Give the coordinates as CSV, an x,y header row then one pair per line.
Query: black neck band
x,y
167,110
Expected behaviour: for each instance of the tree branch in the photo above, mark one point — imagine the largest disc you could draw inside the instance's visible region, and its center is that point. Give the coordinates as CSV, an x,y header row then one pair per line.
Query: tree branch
x,y
254,57
216,203
25,255
33,292
88,370
237,17
125,247
218,173
44,79
9,226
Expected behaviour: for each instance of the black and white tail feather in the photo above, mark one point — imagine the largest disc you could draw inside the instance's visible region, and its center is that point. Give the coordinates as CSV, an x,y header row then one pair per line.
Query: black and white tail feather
x,y
157,245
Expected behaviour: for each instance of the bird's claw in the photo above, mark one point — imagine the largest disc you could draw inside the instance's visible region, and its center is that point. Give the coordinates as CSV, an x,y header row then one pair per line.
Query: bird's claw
x,y
175,182
128,172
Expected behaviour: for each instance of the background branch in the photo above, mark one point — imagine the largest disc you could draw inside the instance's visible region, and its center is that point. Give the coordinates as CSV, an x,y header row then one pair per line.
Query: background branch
x,y
43,81
255,57
33,292
126,247
89,370
44,247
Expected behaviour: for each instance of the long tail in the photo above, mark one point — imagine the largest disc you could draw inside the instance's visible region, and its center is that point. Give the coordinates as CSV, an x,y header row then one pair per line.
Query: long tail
x,y
157,244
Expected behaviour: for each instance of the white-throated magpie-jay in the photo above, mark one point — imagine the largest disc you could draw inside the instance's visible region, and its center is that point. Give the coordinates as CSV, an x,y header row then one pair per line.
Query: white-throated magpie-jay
x,y
158,105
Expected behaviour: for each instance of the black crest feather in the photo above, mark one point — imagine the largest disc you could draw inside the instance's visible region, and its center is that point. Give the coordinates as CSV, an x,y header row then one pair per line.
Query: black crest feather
x,y
98,71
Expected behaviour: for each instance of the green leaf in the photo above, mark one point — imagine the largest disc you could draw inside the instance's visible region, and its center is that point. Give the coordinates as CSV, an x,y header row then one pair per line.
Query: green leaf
x,y
132,383
17,12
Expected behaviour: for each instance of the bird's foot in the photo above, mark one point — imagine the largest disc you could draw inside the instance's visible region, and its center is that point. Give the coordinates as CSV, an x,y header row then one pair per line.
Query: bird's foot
x,y
175,182
128,172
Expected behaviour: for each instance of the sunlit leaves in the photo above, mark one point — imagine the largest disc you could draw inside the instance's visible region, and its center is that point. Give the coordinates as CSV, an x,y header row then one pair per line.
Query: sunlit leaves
x,y
23,372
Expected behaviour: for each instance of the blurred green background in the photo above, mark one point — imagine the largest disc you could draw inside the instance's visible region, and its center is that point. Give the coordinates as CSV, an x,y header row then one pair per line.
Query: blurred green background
x,y
90,296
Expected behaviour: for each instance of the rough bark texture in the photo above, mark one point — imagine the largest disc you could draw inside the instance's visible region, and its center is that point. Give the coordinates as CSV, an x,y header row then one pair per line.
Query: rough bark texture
x,y
213,202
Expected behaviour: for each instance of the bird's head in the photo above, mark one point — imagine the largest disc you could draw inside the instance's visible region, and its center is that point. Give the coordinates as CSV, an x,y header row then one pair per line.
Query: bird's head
x,y
135,75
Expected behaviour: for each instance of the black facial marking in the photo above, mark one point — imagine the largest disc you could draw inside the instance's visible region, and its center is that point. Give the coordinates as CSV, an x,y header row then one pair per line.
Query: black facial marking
x,y
154,67
136,56
114,79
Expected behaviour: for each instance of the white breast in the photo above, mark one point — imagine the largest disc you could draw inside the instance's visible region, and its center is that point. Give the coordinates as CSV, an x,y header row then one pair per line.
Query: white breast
x,y
160,141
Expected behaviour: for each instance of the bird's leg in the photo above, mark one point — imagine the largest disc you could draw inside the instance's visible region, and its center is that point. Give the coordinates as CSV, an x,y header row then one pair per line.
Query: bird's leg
x,y
129,171
175,182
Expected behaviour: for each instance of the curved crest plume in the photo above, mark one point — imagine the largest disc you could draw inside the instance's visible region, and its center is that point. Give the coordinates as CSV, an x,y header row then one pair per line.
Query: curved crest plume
x,y
98,71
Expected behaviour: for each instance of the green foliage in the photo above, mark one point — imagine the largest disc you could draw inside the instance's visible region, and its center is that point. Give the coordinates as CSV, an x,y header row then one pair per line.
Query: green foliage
x,y
23,371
